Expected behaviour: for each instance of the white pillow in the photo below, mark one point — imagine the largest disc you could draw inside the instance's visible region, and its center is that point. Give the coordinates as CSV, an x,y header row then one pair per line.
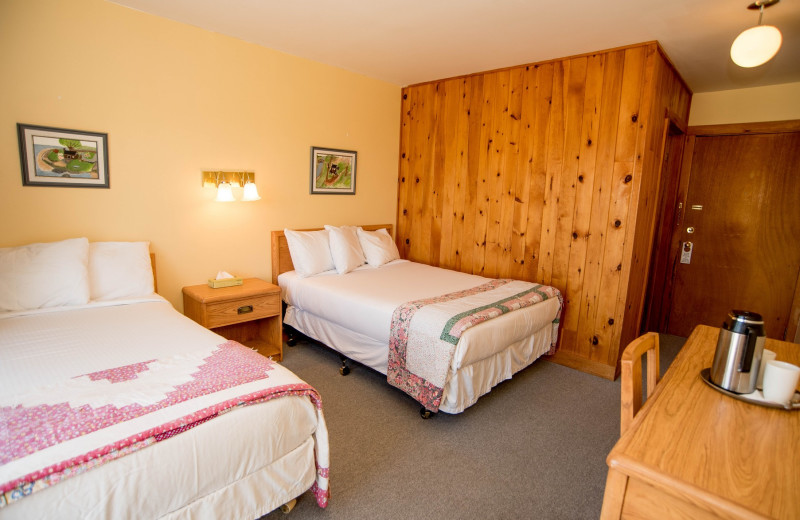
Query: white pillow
x,y
44,275
310,251
378,246
345,248
120,270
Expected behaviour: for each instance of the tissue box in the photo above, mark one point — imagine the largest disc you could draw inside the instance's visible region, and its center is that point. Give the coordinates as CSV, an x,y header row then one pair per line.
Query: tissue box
x,y
225,282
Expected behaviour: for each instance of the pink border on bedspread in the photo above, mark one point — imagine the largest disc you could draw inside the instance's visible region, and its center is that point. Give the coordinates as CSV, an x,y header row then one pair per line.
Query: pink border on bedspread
x,y
30,429
428,394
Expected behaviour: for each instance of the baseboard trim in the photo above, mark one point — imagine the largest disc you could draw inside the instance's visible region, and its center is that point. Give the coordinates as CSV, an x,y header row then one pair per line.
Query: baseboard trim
x,y
562,357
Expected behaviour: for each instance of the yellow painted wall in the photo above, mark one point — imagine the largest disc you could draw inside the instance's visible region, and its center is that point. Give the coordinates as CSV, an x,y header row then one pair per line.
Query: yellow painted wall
x,y
746,105
174,100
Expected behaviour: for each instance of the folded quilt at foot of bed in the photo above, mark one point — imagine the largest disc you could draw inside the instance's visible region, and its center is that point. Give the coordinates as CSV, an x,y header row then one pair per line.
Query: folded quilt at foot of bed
x,y
424,333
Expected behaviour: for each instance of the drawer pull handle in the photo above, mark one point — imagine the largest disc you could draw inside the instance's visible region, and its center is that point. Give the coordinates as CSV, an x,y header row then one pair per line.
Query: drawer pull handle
x,y
244,309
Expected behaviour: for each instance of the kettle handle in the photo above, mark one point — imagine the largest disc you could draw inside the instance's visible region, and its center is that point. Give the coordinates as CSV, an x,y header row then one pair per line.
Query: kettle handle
x,y
747,359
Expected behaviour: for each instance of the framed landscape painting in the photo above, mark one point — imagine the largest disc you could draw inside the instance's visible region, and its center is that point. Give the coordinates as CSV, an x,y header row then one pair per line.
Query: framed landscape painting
x,y
61,157
333,171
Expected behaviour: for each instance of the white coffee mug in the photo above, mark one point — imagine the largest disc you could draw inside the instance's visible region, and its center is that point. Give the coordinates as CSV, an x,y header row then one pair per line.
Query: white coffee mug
x,y
780,381
766,356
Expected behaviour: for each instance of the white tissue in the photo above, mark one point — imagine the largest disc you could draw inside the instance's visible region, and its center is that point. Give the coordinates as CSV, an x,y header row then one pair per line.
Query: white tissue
x,y
222,275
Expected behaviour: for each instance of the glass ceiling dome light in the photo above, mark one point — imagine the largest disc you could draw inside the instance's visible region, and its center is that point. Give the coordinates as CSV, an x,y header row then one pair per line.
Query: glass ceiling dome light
x,y
757,45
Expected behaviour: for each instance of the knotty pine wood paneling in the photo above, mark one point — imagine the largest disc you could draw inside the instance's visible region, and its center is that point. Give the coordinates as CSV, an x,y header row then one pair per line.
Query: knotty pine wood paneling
x,y
545,172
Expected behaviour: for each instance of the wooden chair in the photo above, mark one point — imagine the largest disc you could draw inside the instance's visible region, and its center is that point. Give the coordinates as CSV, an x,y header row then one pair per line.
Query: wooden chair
x,y
631,399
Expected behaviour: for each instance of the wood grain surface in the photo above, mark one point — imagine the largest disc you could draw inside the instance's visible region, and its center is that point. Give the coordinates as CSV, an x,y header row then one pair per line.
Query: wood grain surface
x,y
249,313
746,239
718,454
546,172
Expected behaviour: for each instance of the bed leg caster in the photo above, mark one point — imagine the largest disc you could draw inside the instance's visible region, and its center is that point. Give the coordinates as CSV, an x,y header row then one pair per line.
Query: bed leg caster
x,y
288,506
291,339
344,369
425,413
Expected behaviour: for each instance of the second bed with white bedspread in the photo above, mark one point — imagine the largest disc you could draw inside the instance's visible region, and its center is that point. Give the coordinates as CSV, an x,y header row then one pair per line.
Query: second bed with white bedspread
x,y
352,313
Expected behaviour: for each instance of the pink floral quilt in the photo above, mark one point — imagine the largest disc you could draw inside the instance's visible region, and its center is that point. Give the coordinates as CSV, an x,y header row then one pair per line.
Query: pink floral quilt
x,y
424,333
69,427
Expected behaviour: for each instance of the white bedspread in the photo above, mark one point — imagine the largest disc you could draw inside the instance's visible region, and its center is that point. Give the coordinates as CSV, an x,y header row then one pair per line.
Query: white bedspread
x,y
363,301
40,348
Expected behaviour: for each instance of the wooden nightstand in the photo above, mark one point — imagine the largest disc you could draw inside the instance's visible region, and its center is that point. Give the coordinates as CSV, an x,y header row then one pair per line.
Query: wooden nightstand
x,y
249,313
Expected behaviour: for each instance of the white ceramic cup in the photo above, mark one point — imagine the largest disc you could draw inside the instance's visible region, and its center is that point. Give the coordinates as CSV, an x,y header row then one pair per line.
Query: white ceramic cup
x,y
780,381
766,356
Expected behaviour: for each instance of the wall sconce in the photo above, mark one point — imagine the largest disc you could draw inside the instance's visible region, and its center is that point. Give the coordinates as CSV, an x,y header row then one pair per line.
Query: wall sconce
x,y
757,45
225,181
224,192
250,190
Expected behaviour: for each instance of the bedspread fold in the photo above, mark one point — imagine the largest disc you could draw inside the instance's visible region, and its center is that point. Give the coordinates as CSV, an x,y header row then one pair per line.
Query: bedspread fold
x,y
424,333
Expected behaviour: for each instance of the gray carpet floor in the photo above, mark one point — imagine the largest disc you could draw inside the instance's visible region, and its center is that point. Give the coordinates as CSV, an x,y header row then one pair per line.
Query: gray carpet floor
x,y
534,447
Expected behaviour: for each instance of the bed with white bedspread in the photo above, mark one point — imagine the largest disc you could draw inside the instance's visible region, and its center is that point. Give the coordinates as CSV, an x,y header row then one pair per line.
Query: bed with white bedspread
x,y
123,407
392,315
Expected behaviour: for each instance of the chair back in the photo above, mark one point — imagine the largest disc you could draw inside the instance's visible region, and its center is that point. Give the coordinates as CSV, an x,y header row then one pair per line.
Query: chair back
x,y
631,398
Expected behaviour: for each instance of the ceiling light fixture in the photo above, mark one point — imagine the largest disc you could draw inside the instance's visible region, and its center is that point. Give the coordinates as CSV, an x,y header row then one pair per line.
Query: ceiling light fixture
x,y
757,45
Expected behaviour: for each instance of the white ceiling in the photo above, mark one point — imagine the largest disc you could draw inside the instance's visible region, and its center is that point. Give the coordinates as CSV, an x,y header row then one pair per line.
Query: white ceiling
x,y
410,41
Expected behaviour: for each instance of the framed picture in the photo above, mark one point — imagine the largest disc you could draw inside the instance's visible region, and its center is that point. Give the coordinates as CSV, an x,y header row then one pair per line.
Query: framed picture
x,y
333,171
60,157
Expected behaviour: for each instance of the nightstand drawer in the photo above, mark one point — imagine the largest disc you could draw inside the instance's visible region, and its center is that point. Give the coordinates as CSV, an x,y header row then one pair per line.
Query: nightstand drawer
x,y
238,311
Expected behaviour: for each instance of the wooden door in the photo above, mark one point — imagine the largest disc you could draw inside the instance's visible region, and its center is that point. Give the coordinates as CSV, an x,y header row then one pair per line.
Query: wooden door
x,y
742,219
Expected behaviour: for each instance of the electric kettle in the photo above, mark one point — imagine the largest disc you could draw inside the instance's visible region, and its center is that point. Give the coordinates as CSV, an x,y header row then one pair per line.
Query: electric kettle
x,y
738,355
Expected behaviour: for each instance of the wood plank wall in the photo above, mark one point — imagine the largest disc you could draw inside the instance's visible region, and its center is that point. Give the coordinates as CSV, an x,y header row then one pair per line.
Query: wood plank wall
x,y
538,172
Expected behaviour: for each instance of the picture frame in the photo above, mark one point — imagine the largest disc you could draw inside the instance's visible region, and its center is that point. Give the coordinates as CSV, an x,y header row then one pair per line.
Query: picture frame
x,y
333,171
61,157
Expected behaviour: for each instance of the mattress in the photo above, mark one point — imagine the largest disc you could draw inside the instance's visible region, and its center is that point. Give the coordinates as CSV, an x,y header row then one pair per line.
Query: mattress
x,y
240,464
352,313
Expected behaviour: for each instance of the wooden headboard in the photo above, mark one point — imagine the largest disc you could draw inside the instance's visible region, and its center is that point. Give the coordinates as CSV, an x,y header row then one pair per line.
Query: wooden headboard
x,y
282,260
153,265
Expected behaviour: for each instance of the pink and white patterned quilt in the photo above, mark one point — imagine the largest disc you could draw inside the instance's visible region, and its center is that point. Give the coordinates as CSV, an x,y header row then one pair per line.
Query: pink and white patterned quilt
x,y
424,333
51,433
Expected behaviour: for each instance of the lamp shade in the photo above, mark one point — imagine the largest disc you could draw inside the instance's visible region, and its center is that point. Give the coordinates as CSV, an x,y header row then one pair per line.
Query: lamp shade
x,y
756,46
250,192
224,192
